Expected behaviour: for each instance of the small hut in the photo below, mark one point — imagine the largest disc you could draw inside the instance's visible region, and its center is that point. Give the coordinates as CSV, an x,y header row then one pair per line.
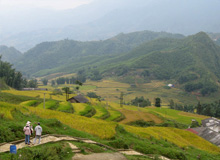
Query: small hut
x,y
78,99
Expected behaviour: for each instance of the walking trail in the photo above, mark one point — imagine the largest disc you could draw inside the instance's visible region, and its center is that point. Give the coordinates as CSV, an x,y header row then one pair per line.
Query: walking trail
x,y
118,155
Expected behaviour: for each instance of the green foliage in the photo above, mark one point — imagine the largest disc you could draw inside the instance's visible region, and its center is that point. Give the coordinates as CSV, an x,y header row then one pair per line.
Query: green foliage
x,y
32,83
194,124
11,77
95,75
89,111
45,81
65,107
61,80
157,102
14,99
186,78
45,58
141,102
189,87
92,95
57,151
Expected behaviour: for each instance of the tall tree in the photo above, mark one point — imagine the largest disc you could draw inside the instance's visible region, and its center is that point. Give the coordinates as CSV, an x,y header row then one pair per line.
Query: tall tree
x,y
157,102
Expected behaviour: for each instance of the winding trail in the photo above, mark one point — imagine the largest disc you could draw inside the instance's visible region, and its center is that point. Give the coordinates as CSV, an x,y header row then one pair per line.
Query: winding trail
x,y
118,155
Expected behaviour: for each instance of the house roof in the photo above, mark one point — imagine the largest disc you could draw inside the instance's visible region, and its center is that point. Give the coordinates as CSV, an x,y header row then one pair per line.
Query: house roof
x,y
210,122
80,99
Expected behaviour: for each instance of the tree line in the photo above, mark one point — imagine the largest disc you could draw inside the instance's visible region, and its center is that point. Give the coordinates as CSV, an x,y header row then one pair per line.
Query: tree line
x,y
208,109
14,78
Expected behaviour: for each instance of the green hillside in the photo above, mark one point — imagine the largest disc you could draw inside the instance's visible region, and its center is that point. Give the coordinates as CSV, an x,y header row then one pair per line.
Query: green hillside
x,y
173,143
68,55
9,54
193,62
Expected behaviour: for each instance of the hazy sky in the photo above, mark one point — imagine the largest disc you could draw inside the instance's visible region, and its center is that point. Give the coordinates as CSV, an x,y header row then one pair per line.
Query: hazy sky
x,y
49,4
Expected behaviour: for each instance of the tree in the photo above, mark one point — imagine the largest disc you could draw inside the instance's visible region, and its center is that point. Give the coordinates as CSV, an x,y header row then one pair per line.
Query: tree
x,y
53,83
141,102
45,81
121,99
199,108
66,90
79,84
172,104
92,95
157,102
32,83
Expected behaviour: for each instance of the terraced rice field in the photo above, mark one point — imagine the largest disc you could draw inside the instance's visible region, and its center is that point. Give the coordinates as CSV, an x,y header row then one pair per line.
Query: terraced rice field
x,y
132,116
179,137
100,128
179,116
39,94
79,107
29,103
65,107
115,115
51,104
101,111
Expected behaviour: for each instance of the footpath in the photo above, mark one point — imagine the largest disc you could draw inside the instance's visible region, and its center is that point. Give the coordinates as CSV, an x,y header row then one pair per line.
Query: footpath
x,y
118,155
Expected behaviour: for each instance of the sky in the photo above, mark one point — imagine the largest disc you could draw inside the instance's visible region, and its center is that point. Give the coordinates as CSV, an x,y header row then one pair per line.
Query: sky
x,y
46,4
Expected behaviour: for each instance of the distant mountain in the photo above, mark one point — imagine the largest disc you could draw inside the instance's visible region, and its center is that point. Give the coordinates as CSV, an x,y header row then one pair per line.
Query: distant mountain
x,y
215,37
69,56
102,19
192,62
9,54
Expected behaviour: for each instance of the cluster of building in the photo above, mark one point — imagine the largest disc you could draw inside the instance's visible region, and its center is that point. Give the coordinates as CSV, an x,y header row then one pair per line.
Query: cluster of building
x,y
210,130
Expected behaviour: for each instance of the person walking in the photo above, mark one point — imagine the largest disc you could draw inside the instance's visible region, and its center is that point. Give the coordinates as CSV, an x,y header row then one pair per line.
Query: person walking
x,y
38,131
27,132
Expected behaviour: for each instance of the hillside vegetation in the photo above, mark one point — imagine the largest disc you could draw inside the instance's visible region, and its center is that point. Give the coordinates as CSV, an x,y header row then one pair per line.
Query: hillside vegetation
x,y
69,56
150,140
192,63
9,54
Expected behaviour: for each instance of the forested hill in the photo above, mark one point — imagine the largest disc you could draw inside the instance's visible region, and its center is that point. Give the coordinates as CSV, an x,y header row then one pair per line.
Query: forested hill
x,y
193,62
9,54
50,57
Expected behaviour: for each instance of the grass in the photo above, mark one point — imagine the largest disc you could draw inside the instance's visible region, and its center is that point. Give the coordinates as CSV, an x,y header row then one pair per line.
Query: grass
x,y
65,107
29,103
89,111
101,111
181,138
37,94
102,129
169,142
49,104
55,151
115,115
79,107
87,148
179,116
14,99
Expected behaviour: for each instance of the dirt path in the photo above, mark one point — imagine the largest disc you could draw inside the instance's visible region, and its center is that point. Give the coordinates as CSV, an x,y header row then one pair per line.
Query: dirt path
x,y
118,155
100,156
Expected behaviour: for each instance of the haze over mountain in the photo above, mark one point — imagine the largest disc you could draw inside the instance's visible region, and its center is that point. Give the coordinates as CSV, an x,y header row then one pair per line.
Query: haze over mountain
x,y
9,54
102,19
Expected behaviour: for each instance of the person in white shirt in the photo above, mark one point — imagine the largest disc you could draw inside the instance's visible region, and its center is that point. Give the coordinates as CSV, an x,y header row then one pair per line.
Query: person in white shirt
x,y
38,132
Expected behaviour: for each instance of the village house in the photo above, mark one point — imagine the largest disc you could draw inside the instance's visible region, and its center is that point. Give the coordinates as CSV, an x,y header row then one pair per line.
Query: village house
x,y
78,99
210,130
